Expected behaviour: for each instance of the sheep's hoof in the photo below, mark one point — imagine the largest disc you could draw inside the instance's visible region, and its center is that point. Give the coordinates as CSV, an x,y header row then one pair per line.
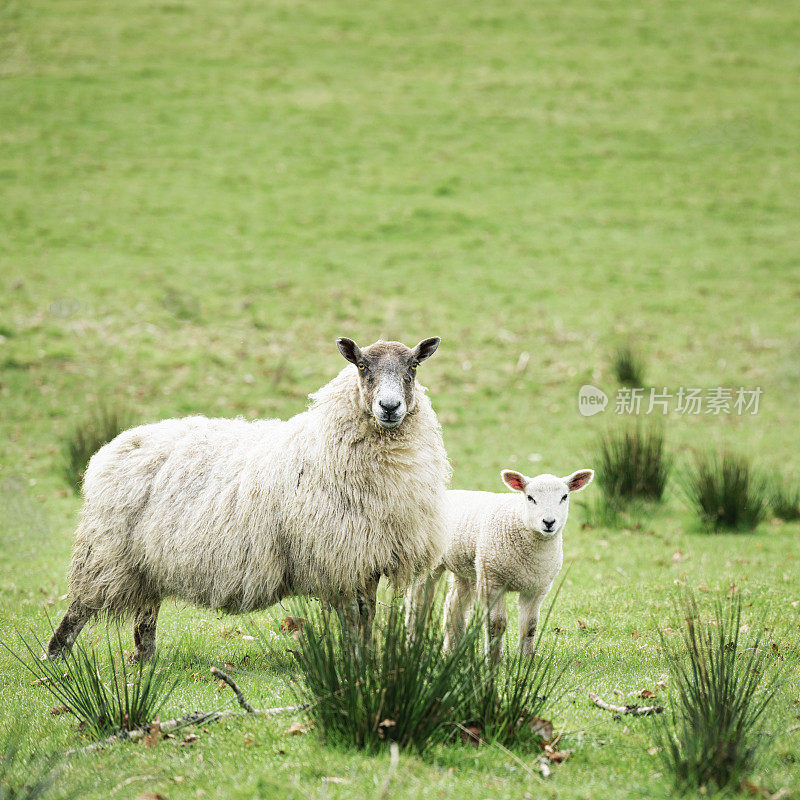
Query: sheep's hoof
x,y
141,655
54,650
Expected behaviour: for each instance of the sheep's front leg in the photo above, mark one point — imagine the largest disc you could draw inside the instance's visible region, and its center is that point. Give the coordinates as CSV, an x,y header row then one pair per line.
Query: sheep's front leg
x,y
144,633
367,600
457,606
493,597
529,605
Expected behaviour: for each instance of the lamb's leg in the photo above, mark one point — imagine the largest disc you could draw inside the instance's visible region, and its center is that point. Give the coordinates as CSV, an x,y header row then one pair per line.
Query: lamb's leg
x,y
367,602
420,596
457,606
493,597
67,632
144,633
529,605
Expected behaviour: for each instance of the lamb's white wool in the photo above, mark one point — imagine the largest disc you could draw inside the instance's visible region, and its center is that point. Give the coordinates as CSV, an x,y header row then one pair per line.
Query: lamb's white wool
x,y
237,515
498,542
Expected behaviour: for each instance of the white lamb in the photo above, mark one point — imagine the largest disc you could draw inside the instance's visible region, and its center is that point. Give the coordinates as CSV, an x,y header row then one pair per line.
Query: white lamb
x,y
504,542
237,515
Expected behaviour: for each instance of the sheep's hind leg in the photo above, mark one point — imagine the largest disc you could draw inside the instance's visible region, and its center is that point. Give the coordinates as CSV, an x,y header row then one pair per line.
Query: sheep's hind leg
x,y
70,626
457,606
144,633
419,597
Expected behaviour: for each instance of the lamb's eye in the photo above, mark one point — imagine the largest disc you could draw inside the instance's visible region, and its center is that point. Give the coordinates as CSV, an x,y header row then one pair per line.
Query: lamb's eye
x,y
362,366
531,499
414,364
563,498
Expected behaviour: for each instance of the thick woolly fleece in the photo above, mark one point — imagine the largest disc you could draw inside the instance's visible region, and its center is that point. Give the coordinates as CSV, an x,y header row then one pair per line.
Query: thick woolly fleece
x,y
237,515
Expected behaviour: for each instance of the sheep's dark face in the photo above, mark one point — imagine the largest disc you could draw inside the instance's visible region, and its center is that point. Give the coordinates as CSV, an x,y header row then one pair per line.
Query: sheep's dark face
x,y
386,375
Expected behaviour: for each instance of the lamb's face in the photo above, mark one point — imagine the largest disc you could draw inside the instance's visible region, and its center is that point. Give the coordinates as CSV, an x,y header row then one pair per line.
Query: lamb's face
x,y
546,498
386,375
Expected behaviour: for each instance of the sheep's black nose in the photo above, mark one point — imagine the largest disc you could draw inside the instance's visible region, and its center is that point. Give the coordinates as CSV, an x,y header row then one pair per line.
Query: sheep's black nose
x,y
548,523
389,406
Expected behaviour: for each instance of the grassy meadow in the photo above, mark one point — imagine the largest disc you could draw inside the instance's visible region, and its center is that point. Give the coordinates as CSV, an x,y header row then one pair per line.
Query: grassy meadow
x,y
197,198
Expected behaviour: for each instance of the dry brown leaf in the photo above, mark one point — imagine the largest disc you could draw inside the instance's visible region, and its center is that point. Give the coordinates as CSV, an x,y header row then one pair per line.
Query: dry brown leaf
x,y
542,727
582,624
471,734
189,739
58,710
297,729
154,734
557,756
292,624
646,694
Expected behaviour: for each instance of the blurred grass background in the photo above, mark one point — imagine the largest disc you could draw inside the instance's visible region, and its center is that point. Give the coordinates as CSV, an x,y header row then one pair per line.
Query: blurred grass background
x,y
198,198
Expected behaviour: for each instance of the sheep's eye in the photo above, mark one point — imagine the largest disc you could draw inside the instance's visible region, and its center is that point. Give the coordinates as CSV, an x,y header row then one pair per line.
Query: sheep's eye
x,y
563,498
414,364
362,366
531,499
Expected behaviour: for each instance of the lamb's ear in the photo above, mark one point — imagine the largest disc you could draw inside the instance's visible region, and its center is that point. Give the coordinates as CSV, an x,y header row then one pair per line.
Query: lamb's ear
x,y
579,480
514,480
426,348
349,349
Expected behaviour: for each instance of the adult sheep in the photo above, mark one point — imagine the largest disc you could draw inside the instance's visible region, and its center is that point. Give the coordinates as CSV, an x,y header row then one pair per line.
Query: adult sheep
x,y
236,515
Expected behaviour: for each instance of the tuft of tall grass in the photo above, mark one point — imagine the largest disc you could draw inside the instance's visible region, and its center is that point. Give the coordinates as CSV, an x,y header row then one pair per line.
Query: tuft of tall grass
x,y
722,685
25,777
399,687
725,492
509,702
86,438
632,464
628,366
105,696
785,501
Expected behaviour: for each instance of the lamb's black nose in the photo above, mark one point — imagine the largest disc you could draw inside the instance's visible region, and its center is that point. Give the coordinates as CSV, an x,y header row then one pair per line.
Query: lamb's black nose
x,y
548,523
389,406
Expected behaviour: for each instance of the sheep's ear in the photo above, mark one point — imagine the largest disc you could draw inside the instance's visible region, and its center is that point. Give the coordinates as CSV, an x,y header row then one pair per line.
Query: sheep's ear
x,y
514,480
579,480
426,348
349,349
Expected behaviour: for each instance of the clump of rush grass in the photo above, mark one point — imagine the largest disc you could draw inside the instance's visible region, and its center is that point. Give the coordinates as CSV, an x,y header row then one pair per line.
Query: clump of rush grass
x,y
628,366
399,687
722,685
105,694
611,512
785,500
510,703
86,438
23,775
725,492
632,465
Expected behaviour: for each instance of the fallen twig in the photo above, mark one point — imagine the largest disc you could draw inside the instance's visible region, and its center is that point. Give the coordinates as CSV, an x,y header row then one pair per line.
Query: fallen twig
x,y
223,676
195,718
633,710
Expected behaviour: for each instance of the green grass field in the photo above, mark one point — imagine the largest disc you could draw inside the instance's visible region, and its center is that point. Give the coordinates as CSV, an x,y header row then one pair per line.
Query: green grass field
x,y
197,198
